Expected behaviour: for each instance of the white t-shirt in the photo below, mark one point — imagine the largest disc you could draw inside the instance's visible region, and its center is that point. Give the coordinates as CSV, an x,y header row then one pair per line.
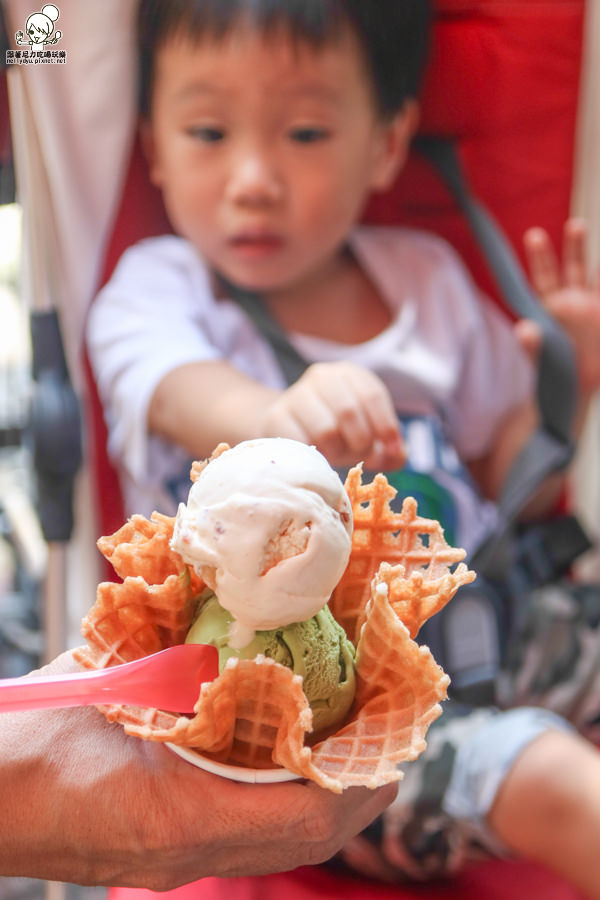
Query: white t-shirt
x,y
448,357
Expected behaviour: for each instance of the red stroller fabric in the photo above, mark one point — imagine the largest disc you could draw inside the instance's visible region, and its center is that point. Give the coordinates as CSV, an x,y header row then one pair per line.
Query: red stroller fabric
x,y
504,83
493,880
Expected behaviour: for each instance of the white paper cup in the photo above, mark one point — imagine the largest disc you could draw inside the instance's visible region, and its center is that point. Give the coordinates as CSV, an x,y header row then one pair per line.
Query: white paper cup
x,y
234,773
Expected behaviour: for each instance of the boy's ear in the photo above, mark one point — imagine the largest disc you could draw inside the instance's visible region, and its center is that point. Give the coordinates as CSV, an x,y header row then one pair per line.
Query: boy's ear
x,y
395,138
149,150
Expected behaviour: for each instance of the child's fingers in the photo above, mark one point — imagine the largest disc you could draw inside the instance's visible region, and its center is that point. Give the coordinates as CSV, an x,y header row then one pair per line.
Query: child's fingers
x,y
529,336
388,441
542,261
384,458
287,425
574,253
345,410
315,419
377,406
348,411
385,440
317,410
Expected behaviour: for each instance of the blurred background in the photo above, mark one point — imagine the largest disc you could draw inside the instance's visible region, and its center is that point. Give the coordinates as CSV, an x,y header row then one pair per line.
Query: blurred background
x,y
23,551
73,134
22,548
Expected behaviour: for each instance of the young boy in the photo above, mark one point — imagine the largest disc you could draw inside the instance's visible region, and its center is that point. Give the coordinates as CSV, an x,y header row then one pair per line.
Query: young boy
x,y
266,126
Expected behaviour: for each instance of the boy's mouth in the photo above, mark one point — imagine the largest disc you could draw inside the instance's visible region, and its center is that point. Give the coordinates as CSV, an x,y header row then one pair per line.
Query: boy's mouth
x,y
256,243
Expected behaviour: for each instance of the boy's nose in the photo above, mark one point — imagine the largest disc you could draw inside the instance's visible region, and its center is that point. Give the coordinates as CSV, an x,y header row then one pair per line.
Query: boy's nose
x,y
254,181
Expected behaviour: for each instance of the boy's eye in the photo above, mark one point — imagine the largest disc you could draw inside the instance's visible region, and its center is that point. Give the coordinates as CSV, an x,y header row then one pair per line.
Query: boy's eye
x,y
308,134
207,133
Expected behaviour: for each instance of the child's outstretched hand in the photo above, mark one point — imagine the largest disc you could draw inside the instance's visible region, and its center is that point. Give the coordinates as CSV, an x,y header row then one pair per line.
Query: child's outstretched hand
x,y
345,411
569,295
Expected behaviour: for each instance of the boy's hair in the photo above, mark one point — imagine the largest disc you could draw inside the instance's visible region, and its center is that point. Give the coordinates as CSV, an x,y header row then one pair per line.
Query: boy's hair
x,y
393,34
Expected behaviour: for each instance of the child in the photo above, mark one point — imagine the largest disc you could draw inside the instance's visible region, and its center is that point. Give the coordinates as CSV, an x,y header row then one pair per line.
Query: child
x,y
266,127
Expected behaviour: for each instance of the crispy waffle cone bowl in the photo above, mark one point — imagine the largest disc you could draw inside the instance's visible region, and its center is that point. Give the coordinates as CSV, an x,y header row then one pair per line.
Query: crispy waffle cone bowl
x,y
255,714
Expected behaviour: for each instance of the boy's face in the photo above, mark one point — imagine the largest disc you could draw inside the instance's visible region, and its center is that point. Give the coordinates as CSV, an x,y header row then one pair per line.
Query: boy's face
x,y
266,151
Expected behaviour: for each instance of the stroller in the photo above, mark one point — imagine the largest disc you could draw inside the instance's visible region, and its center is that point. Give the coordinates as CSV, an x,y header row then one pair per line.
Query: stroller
x,y
83,184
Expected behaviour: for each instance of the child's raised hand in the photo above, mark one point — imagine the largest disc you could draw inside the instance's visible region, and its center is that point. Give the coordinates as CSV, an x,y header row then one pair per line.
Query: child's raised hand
x,y
568,295
345,411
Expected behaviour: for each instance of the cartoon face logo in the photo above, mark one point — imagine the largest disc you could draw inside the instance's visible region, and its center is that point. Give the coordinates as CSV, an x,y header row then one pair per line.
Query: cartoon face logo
x,y
39,28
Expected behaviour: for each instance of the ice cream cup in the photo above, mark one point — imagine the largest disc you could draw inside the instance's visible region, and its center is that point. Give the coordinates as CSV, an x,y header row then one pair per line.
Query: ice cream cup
x,y
401,571
233,773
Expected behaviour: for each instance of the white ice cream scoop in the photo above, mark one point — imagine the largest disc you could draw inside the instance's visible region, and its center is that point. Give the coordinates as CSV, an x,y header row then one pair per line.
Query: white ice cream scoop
x,y
268,525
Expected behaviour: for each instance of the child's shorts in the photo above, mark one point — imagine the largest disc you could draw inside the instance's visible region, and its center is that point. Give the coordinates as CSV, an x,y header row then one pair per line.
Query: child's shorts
x,y
438,820
551,681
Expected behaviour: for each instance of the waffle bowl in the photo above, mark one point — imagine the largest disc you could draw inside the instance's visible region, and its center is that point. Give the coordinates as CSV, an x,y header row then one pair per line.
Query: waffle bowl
x,y
255,715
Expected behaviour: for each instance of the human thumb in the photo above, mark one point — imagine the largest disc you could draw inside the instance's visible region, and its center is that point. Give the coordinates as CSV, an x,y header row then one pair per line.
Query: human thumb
x,y
529,336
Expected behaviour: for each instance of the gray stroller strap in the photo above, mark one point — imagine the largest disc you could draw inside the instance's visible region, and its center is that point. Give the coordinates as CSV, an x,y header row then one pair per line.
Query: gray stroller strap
x,y
291,362
550,448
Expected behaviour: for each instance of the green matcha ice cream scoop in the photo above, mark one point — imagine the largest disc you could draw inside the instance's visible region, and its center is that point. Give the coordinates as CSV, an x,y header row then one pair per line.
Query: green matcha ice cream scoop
x,y
317,649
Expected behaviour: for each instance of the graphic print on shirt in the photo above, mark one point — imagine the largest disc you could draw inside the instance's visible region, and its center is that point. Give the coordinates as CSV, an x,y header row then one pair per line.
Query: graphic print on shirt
x,y
437,479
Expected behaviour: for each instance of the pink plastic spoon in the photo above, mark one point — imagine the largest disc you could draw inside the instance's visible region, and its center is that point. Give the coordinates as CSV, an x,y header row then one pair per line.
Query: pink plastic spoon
x,y
167,680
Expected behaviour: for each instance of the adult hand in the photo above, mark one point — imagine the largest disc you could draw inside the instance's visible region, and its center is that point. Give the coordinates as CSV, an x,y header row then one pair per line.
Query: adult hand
x,y
345,411
85,803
